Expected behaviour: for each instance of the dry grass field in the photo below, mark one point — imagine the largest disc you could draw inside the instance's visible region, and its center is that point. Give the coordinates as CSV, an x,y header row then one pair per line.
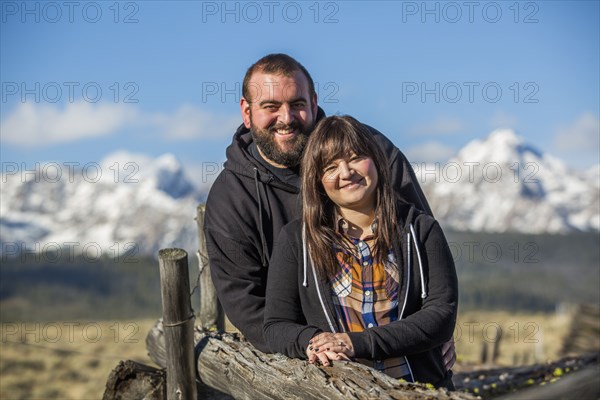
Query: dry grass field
x,y
70,361
526,338
61,360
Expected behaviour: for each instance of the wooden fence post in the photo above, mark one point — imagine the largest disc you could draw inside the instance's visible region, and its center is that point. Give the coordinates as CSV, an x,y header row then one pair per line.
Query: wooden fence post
x,y
497,342
178,322
211,313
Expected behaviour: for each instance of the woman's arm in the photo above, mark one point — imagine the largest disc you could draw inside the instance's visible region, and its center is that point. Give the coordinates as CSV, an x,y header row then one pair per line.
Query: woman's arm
x,y
285,327
429,327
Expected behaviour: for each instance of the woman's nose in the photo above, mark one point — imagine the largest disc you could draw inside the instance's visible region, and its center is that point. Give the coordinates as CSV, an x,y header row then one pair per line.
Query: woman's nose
x,y
345,171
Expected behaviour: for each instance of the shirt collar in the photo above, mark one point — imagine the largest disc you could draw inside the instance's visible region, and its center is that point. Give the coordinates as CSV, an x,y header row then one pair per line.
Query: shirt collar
x,y
342,226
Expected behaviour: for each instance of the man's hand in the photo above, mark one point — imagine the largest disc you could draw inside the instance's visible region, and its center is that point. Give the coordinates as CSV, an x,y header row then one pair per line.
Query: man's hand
x,y
449,354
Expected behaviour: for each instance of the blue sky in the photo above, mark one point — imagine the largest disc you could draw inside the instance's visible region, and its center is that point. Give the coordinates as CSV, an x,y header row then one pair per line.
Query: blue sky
x,y
84,79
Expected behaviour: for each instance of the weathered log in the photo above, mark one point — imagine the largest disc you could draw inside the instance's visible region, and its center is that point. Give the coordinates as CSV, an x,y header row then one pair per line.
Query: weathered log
x,y
498,381
132,380
179,321
211,313
232,365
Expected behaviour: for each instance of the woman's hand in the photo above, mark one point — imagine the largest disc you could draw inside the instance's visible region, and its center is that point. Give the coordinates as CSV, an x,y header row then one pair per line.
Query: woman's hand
x,y
325,357
339,343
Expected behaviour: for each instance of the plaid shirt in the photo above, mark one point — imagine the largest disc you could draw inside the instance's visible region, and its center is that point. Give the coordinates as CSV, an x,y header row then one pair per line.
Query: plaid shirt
x,y
365,295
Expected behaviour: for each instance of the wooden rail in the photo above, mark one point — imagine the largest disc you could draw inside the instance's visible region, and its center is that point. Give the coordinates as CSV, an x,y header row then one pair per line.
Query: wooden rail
x,y
236,368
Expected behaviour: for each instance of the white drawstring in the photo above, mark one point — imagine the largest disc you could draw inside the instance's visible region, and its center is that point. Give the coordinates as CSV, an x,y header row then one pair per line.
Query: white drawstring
x,y
423,288
305,260
304,254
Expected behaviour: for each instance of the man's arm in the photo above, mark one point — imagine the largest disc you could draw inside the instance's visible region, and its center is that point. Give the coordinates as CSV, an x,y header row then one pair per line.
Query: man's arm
x,y
405,182
234,252
240,284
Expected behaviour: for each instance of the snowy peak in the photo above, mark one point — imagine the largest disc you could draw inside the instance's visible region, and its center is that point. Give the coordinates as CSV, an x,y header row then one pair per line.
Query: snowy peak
x,y
165,173
127,203
170,177
503,183
501,146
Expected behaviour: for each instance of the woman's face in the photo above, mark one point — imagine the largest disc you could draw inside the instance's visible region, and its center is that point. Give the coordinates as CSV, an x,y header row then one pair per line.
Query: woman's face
x,y
351,183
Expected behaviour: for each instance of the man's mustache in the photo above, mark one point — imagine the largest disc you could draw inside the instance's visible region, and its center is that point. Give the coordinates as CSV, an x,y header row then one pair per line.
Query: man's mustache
x,y
293,126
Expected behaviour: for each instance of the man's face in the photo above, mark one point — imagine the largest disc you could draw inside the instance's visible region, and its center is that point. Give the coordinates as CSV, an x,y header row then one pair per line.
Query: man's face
x,y
281,114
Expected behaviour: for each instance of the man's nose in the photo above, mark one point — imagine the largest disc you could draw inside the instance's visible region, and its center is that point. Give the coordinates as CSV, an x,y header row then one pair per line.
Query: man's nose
x,y
285,114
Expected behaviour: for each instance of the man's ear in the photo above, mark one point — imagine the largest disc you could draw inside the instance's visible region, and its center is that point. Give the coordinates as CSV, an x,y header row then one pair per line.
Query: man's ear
x,y
245,110
314,105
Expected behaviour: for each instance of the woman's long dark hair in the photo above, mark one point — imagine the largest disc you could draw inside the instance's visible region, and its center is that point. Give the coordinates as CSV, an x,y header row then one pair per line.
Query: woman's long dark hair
x,y
338,137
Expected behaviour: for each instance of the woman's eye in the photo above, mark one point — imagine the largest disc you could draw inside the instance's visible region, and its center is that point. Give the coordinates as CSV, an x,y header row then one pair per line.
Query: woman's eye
x,y
330,169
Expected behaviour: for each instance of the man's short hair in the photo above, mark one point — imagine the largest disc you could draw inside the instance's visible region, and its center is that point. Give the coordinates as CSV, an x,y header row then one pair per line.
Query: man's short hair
x,y
277,64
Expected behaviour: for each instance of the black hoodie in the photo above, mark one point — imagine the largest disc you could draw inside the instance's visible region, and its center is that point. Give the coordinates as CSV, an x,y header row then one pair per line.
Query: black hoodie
x,y
246,208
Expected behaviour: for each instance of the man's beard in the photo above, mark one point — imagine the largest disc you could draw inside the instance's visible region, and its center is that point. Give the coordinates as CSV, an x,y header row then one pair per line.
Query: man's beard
x,y
265,140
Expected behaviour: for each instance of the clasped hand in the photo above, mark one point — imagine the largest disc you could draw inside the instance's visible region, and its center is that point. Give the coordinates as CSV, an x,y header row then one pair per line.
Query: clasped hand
x,y
326,347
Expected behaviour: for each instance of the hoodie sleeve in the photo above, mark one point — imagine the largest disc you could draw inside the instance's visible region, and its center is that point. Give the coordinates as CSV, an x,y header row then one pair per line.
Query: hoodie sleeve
x,y
239,282
405,182
433,323
285,327
235,265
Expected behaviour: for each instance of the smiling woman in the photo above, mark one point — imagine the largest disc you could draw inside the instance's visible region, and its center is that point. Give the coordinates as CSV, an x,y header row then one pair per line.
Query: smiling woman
x,y
350,183
362,275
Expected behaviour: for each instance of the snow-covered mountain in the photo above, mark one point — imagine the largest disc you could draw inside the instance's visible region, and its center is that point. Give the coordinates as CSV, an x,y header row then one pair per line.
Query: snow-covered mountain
x,y
128,203
502,184
132,203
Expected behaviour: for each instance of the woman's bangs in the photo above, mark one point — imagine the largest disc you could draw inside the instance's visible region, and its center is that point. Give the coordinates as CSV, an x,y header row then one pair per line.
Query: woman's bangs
x,y
340,143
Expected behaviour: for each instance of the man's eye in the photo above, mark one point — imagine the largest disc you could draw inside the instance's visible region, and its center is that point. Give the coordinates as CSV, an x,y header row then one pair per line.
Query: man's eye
x,y
299,105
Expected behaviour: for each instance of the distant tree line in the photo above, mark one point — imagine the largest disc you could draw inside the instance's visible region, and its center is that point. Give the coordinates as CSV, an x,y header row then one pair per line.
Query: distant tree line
x,y
514,272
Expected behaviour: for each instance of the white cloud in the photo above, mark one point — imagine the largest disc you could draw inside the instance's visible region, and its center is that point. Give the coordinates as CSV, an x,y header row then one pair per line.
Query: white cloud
x,y
579,143
34,125
582,135
503,120
430,152
38,125
439,126
189,122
